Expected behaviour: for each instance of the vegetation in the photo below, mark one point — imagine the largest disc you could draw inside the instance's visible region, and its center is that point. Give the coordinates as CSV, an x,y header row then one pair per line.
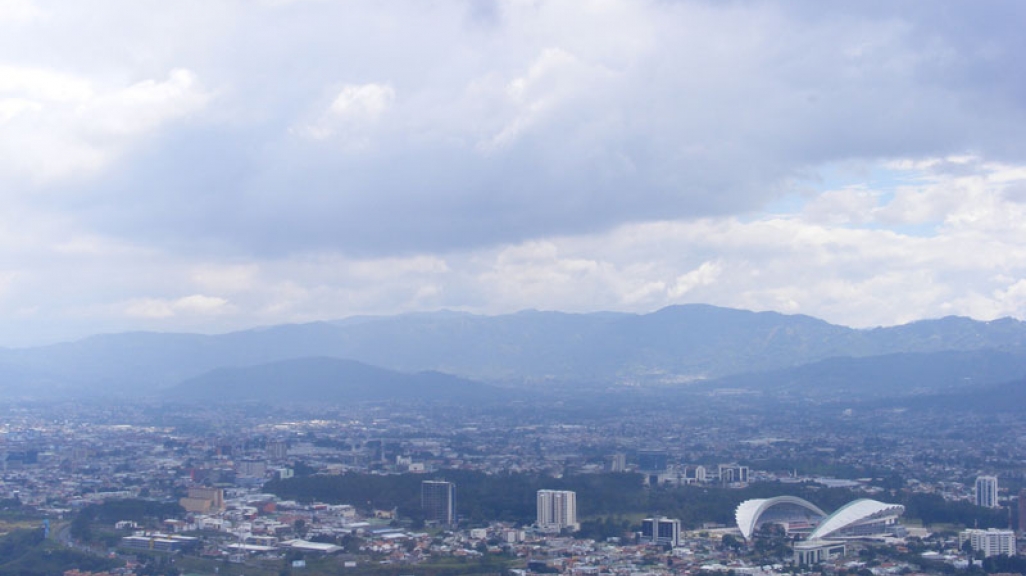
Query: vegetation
x,y
603,500
141,511
28,553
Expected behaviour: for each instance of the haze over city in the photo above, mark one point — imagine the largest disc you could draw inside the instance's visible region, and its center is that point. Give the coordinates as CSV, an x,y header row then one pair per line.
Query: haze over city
x,y
198,166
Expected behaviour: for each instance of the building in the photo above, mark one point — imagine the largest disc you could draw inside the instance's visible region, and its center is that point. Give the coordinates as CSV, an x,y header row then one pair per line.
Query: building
x,y
438,502
1022,511
618,462
861,518
251,468
557,510
856,519
987,491
815,551
277,450
660,530
203,500
796,515
653,460
992,542
732,473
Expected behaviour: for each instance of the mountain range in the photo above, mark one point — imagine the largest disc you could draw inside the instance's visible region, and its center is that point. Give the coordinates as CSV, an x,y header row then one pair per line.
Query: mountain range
x,y
670,347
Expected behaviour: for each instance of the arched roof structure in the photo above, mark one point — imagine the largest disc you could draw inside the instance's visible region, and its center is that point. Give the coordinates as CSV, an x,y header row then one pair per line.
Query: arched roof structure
x,y
750,514
856,513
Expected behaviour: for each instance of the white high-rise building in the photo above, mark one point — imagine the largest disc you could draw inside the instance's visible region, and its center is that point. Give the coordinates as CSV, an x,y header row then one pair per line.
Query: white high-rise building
x,y
987,491
991,542
557,509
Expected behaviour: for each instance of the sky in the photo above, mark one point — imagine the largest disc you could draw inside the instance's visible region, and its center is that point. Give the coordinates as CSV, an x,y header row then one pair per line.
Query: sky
x,y
207,166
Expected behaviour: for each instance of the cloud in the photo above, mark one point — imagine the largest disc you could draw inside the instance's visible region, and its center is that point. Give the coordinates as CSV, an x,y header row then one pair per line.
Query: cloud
x,y
536,120
158,308
353,111
19,11
57,125
301,160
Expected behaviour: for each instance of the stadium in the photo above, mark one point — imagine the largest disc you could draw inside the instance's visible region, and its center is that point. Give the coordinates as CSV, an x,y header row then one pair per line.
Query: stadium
x,y
858,519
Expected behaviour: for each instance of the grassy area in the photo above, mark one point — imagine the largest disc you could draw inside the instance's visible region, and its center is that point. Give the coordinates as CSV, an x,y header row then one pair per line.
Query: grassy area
x,y
9,525
333,566
207,566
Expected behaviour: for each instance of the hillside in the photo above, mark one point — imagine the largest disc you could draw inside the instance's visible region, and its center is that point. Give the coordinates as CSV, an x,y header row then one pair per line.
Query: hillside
x,y
672,345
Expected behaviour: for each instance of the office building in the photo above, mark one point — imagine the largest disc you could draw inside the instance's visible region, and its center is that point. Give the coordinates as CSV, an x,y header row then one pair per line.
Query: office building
x,y
557,510
1022,511
438,502
277,450
987,491
992,542
660,530
733,473
618,462
653,460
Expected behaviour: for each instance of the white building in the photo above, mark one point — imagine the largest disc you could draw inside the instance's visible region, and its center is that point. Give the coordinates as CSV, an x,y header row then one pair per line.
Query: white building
x,y
557,509
992,542
987,491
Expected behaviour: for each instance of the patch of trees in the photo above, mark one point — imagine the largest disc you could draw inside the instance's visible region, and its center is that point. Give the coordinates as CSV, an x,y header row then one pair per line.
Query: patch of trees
x,y
933,509
1004,564
112,511
28,553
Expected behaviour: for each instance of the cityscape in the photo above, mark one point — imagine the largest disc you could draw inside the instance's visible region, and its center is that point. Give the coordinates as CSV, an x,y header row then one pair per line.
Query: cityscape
x,y
512,288
706,486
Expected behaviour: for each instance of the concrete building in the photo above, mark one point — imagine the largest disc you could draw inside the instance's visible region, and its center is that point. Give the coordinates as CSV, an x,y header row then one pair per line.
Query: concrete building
x,y
557,509
987,491
618,462
438,502
1022,511
203,500
811,552
661,530
992,542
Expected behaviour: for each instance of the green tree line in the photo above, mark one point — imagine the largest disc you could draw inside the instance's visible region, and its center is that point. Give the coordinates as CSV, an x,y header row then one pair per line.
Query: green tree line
x,y
606,497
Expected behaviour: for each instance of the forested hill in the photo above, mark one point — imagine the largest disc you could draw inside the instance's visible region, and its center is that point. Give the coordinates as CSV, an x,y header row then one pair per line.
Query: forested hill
x,y
672,345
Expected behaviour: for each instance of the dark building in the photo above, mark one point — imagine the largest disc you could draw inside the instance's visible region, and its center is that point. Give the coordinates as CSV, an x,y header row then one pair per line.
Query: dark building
x,y
1022,511
653,460
660,530
438,502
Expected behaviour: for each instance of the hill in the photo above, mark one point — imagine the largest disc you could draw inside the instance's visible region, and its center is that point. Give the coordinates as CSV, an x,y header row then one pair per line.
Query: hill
x,y
327,380
673,345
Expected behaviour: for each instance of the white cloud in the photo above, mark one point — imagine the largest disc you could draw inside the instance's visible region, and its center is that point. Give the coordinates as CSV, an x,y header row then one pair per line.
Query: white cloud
x,y
160,308
19,11
58,125
351,114
290,160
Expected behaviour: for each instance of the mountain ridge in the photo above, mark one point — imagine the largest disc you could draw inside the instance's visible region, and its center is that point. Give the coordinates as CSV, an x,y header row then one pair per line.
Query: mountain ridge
x,y
677,343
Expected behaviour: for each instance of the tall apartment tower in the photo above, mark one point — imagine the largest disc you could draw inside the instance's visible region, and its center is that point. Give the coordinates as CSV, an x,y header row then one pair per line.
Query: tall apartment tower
x,y
557,509
438,502
1022,511
987,491
277,450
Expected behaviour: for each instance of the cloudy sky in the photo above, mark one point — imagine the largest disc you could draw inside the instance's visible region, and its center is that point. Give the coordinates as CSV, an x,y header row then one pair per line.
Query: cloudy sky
x,y
213,165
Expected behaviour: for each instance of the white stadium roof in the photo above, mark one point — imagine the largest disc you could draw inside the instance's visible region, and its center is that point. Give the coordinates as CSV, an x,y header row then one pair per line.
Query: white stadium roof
x,y
749,512
855,512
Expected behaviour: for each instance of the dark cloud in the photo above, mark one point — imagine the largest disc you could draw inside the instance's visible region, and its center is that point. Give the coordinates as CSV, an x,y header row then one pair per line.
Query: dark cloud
x,y
512,121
